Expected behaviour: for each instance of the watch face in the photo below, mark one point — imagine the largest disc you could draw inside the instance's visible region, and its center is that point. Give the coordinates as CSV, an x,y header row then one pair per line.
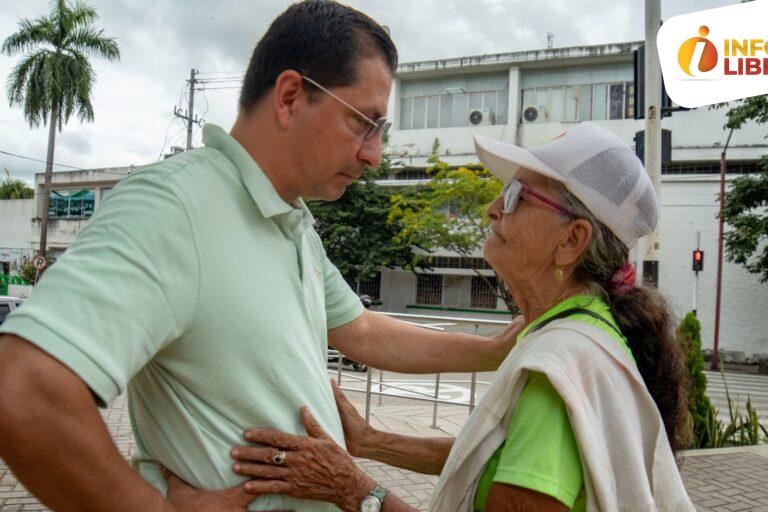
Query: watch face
x,y
370,504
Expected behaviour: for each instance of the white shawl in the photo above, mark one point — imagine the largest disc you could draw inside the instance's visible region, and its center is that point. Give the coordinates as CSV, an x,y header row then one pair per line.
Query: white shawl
x,y
627,462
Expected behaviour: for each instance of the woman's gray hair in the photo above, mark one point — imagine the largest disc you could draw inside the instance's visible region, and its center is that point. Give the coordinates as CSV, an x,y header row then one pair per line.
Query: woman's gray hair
x,y
605,253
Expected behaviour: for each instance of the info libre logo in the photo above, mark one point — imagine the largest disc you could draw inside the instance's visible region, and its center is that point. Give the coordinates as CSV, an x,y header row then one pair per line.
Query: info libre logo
x,y
698,55
701,48
716,55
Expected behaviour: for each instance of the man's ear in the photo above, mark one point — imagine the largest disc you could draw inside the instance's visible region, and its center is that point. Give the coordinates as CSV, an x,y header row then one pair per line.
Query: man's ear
x,y
285,95
575,242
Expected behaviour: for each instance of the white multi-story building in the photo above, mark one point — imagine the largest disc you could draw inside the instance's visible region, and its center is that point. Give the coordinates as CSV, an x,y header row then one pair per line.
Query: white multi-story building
x,y
530,97
526,98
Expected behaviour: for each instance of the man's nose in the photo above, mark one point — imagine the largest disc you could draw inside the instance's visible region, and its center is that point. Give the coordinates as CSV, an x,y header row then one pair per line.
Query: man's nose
x,y
370,151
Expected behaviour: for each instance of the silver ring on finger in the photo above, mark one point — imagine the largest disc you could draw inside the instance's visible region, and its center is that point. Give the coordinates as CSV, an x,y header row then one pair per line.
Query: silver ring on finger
x,y
278,458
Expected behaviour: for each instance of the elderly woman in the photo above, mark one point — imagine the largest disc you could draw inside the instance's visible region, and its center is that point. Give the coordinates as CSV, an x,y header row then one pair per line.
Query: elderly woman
x,y
586,411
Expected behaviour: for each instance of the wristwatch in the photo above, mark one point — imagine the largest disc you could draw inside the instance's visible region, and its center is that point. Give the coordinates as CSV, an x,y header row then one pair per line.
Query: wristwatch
x,y
372,502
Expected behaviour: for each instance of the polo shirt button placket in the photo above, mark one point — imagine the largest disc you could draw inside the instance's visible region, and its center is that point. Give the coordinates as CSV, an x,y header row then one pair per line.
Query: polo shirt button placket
x,y
309,269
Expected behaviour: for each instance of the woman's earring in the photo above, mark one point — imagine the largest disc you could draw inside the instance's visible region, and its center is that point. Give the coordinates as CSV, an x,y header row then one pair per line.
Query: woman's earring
x,y
558,274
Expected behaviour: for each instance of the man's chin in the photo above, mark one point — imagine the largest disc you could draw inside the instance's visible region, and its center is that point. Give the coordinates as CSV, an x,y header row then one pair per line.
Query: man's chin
x,y
330,194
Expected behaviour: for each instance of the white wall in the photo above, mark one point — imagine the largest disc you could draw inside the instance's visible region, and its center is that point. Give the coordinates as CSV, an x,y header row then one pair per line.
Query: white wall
x,y
688,206
16,223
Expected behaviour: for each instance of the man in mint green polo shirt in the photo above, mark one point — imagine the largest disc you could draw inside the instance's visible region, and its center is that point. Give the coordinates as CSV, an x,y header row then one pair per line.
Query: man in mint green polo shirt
x,y
201,288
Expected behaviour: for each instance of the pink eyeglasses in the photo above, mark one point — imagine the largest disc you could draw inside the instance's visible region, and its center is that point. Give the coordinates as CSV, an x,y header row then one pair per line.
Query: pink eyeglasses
x,y
514,189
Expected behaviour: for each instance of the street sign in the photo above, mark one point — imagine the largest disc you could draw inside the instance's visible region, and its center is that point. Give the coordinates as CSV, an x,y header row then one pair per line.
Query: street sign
x,y
39,262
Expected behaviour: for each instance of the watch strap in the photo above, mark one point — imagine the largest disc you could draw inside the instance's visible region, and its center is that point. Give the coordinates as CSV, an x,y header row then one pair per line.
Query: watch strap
x,y
379,492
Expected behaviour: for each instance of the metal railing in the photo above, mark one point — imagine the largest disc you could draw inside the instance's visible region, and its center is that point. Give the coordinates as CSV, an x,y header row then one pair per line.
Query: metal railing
x,y
432,322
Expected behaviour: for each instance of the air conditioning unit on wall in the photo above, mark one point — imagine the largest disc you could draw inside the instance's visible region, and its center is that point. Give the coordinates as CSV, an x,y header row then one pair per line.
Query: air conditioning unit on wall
x,y
481,117
535,114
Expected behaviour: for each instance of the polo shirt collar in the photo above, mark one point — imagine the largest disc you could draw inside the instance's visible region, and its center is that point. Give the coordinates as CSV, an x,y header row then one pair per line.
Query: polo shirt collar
x,y
256,182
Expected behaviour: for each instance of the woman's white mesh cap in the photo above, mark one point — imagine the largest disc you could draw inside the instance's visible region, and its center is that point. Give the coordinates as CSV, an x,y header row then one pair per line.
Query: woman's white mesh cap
x,y
595,166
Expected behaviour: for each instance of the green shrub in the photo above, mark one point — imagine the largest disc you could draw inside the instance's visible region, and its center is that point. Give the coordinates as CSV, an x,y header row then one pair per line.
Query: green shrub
x,y
699,407
739,431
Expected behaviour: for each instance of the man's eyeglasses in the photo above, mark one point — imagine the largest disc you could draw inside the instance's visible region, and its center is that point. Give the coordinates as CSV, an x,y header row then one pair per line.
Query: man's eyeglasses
x,y
374,126
514,189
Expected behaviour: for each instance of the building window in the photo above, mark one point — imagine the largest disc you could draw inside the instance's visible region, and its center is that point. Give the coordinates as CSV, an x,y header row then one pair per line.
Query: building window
x,y
429,289
447,102
71,203
458,262
582,102
483,292
713,167
371,287
412,174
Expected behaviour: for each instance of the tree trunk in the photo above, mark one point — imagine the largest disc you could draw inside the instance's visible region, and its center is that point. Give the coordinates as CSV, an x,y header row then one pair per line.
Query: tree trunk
x,y
501,289
48,177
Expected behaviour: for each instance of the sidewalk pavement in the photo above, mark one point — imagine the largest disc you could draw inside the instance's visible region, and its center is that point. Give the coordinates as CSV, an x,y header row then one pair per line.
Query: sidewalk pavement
x,y
724,480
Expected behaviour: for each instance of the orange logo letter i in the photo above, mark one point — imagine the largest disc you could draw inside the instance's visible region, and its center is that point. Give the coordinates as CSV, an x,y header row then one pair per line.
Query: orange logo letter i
x,y
697,54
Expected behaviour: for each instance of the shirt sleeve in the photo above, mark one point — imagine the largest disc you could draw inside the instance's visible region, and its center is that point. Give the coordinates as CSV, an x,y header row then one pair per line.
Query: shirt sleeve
x,y
342,305
124,290
540,452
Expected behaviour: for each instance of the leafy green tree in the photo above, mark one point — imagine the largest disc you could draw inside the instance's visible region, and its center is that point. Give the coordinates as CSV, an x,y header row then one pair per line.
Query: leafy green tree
x,y
744,207
355,229
14,188
449,213
689,336
54,77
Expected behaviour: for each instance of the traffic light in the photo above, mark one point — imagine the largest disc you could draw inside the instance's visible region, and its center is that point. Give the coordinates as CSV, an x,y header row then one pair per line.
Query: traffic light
x,y
698,260
666,146
639,93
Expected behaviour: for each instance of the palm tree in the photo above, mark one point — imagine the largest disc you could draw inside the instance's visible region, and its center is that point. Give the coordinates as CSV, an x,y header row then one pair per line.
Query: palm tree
x,y
14,188
54,77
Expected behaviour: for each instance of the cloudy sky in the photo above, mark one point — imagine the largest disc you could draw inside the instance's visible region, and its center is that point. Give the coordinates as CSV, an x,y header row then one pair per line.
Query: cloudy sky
x,y
160,40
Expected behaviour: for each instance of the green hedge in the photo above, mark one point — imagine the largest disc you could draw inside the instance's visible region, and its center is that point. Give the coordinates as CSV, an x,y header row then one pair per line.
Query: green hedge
x,y
689,334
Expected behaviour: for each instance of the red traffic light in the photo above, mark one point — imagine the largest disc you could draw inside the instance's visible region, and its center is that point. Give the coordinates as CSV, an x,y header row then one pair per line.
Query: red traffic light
x,y
698,260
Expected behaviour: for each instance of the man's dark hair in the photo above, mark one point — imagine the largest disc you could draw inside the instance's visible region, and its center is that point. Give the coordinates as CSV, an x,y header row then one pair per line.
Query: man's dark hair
x,y
321,39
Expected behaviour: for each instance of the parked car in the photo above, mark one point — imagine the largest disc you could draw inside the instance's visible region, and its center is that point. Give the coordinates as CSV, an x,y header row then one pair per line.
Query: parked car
x,y
333,354
8,304
333,357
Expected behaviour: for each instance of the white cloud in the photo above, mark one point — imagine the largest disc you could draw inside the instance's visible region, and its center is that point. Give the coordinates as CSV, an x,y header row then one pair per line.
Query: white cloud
x,y
161,40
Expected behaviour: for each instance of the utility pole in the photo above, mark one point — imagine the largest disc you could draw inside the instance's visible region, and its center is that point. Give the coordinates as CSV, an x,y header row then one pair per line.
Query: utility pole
x,y
189,114
719,290
191,107
649,252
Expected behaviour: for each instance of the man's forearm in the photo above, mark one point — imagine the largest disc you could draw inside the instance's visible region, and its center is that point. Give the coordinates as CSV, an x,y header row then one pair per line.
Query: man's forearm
x,y
386,343
54,440
425,455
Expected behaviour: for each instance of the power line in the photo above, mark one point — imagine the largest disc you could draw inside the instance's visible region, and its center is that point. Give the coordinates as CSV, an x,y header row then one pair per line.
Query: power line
x,y
222,72
218,88
37,160
221,79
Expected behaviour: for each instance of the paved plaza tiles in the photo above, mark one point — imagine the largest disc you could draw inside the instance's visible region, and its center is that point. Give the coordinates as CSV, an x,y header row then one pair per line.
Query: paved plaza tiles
x,y
724,480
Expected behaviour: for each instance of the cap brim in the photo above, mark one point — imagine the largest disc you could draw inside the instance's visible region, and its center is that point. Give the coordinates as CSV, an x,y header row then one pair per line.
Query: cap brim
x,y
505,160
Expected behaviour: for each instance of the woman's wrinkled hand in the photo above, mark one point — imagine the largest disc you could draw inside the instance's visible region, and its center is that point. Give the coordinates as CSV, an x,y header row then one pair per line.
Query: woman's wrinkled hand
x,y
313,467
186,498
356,430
